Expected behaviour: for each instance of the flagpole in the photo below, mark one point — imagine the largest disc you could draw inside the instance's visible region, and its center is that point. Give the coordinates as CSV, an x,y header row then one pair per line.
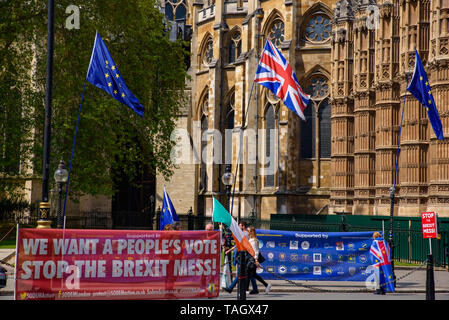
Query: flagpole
x,y
247,105
393,188
240,152
241,292
73,150
240,145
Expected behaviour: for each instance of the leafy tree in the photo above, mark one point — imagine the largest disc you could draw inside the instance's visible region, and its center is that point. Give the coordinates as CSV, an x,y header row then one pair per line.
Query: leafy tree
x,y
21,94
111,136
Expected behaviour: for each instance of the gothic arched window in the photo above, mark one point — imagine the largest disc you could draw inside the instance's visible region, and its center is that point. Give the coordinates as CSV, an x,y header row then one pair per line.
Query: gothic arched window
x,y
204,129
324,116
175,10
235,47
270,146
318,28
308,131
317,125
276,33
230,111
208,52
227,129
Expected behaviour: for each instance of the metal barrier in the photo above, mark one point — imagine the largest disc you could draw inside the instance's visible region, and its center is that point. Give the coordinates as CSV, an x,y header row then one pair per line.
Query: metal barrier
x,y
410,247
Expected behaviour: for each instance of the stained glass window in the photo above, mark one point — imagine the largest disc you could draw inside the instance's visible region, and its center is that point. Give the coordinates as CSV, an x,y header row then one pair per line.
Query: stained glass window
x,y
318,28
276,34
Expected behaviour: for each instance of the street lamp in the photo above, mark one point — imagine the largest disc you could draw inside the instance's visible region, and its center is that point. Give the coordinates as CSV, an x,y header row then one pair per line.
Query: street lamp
x,y
44,206
61,176
228,181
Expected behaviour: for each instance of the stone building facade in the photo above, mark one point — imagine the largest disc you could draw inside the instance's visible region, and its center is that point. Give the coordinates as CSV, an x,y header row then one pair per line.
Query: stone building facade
x,y
354,57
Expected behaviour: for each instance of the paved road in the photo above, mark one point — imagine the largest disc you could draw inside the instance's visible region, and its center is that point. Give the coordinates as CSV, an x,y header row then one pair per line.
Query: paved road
x,y
284,296
333,296
317,296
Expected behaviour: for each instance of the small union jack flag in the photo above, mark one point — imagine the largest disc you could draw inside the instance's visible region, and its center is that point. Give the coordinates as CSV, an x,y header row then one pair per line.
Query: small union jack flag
x,y
274,73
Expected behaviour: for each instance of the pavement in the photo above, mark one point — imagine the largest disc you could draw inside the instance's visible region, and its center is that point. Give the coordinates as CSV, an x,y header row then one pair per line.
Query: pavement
x,y
409,280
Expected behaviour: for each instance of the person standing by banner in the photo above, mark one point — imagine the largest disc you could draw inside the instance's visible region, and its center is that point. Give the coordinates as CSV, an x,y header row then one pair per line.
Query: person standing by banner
x,y
252,274
380,257
236,263
227,265
235,259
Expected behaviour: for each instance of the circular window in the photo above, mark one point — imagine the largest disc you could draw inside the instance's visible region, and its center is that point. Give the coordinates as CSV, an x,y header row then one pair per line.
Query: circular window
x,y
276,34
318,28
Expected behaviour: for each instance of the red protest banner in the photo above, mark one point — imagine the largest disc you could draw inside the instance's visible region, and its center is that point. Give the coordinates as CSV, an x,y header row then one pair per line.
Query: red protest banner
x,y
429,225
117,264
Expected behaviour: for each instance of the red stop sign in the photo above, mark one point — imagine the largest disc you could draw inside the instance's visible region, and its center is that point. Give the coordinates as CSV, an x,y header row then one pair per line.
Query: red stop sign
x,y
429,225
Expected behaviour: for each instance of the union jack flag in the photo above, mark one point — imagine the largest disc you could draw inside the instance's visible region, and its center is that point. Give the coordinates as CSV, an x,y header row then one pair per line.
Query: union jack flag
x,y
274,73
380,253
380,256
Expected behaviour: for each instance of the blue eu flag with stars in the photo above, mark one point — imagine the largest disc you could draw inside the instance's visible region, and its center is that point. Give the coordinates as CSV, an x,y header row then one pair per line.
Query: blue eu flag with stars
x,y
168,214
103,73
419,87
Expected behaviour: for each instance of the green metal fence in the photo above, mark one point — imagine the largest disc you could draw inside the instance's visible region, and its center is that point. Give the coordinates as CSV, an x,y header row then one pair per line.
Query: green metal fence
x,y
409,245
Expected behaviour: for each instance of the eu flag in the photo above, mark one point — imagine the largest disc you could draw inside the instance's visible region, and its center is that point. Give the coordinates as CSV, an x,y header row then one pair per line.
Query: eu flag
x,y
103,73
168,214
419,87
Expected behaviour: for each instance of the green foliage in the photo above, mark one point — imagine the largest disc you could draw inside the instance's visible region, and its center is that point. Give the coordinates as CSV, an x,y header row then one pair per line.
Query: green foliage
x,y
110,135
19,91
8,206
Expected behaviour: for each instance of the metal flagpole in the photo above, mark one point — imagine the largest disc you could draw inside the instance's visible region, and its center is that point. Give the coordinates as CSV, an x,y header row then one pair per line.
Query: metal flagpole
x,y
241,292
73,150
240,151
76,130
393,188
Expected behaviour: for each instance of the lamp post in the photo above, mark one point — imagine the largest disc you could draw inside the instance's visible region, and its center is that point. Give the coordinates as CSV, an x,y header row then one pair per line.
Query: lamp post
x,y
60,176
390,233
228,181
44,207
